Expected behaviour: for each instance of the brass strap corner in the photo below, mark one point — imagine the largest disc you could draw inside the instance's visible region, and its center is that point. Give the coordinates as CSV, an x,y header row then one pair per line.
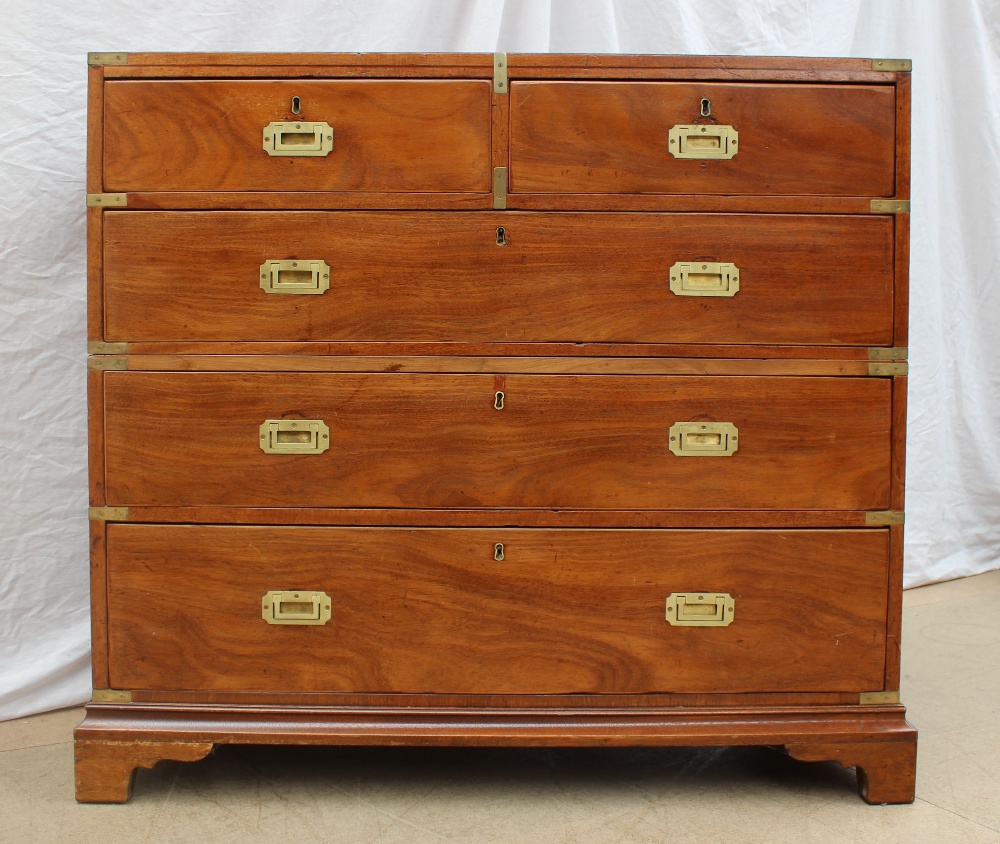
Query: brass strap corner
x,y
109,514
893,65
890,206
99,347
500,82
877,698
885,370
107,364
111,696
888,352
102,59
107,200
499,188
884,517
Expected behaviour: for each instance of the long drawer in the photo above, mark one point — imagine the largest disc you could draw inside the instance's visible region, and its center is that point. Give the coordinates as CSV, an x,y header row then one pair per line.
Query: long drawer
x,y
616,137
433,610
446,441
499,277
210,135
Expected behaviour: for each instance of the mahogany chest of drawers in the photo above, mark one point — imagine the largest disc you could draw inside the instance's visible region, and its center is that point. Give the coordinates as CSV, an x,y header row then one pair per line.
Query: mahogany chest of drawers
x,y
496,400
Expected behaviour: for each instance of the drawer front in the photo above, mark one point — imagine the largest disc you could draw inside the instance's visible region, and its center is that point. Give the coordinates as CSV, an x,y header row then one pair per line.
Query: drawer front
x,y
613,137
556,277
431,610
438,441
387,135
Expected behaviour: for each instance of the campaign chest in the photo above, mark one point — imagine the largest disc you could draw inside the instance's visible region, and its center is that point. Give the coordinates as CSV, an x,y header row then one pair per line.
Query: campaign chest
x,y
496,400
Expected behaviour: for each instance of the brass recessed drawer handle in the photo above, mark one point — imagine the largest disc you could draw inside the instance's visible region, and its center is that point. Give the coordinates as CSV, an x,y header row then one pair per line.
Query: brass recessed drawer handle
x,y
704,278
294,436
700,609
702,141
704,439
295,607
297,139
298,276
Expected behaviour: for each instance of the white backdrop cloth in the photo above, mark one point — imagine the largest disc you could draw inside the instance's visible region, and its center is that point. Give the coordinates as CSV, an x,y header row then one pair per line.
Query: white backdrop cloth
x,y
953,504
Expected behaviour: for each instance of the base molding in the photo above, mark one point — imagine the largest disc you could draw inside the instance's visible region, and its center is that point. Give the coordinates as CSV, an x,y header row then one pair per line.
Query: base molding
x,y
114,739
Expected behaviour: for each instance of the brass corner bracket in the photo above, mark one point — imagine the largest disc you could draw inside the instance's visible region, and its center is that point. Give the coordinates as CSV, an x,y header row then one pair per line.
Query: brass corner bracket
x,y
102,59
889,206
501,84
885,370
109,514
107,200
499,188
99,347
888,352
107,364
884,517
111,696
877,698
893,65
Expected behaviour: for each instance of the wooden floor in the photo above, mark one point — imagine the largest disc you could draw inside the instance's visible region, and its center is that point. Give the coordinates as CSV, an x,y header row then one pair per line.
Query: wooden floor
x,y
951,684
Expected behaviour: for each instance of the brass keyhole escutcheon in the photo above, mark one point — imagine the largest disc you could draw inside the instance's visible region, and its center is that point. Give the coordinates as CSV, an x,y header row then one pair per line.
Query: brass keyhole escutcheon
x,y
498,400
498,552
706,107
501,236
296,105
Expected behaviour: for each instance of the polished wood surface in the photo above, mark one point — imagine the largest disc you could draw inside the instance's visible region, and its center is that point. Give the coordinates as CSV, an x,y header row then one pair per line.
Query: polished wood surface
x,y
245,357
607,137
876,738
579,277
105,770
563,612
432,640
407,440
389,135
499,517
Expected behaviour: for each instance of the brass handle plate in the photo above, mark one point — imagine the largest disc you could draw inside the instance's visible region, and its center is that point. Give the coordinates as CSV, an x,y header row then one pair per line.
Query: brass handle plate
x,y
298,139
288,607
704,439
700,140
294,436
299,276
704,278
700,609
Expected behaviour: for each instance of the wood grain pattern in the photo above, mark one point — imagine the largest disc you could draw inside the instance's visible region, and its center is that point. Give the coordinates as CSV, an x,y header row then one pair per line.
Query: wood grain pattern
x,y
334,200
887,770
499,726
564,612
604,137
98,606
540,703
95,437
571,277
901,319
392,135
378,352
566,442
496,517
105,770
223,362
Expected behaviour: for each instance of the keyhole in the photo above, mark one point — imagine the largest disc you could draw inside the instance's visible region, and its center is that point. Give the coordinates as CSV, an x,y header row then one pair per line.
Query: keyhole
x,y
501,236
498,401
297,105
706,107
498,551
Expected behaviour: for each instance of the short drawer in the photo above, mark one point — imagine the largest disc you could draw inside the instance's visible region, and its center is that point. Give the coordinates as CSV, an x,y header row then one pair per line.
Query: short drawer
x,y
615,137
433,610
210,135
499,277
471,441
